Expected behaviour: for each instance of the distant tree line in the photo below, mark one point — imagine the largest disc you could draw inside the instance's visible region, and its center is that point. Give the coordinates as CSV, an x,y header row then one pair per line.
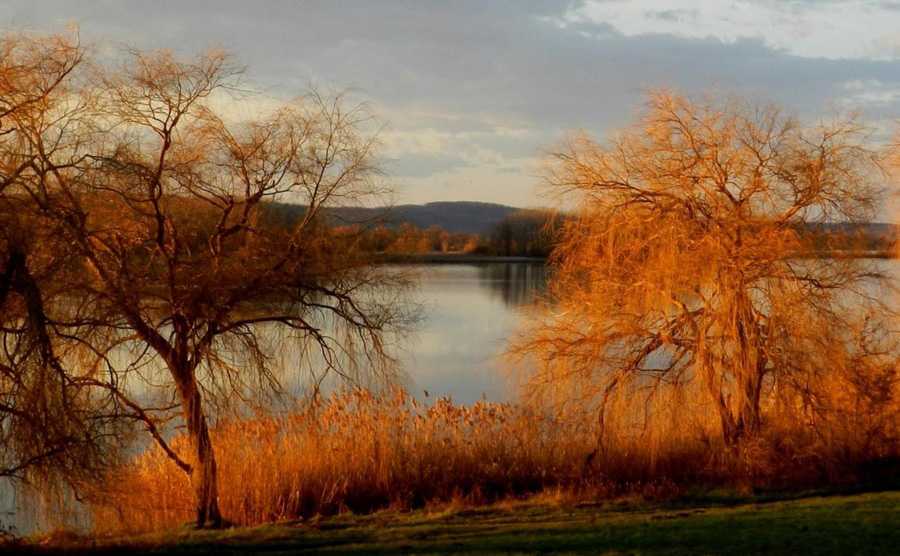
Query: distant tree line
x,y
528,232
535,232
524,233
409,238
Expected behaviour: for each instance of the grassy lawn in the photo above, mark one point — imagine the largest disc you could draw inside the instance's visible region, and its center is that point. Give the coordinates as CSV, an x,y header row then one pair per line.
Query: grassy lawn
x,y
858,524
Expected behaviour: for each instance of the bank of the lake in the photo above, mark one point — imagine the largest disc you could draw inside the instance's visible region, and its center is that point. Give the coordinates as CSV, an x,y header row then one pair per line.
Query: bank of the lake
x,y
455,258
856,524
475,259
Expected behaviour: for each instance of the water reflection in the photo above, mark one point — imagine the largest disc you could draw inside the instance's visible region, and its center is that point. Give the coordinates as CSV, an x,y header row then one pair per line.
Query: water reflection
x,y
514,283
470,311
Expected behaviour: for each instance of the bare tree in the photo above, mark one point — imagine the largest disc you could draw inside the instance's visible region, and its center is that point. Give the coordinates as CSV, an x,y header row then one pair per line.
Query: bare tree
x,y
49,425
692,257
160,203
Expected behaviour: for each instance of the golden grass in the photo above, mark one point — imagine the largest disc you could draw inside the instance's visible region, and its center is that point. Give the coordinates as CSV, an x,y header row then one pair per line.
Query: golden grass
x,y
360,452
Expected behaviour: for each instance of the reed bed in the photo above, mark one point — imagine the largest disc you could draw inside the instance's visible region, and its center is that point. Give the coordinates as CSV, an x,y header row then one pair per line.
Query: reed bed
x,y
359,452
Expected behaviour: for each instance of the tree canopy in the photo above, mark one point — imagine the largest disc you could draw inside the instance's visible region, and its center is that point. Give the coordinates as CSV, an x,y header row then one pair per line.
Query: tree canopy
x,y
136,249
690,260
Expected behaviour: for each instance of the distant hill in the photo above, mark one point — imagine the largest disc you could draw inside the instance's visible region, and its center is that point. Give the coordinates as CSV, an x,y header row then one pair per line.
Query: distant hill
x,y
480,218
454,216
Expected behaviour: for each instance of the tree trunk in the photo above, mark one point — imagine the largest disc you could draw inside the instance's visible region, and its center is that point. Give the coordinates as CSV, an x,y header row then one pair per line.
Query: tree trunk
x,y
743,419
203,474
749,419
730,429
749,368
712,378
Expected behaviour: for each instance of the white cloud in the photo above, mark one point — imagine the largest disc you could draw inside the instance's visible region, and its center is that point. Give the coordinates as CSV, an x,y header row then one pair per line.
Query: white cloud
x,y
243,107
870,93
836,30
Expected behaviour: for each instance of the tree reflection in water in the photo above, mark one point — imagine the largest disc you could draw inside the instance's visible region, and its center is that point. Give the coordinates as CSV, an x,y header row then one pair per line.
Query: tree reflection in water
x,y
515,284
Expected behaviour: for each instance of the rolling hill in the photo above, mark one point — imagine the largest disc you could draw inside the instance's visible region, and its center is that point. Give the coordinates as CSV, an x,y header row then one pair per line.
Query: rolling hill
x,y
454,216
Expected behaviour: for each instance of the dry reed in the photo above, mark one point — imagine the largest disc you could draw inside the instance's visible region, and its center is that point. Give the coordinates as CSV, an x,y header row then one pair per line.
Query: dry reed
x,y
360,452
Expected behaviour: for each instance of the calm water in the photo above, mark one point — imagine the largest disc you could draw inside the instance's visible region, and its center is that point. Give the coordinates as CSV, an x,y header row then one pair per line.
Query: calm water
x,y
468,312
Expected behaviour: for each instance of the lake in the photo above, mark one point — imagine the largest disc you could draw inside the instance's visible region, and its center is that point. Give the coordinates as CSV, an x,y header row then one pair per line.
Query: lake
x,y
469,313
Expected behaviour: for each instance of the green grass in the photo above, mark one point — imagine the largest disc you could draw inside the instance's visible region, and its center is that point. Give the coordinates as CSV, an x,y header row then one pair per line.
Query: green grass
x,y
858,524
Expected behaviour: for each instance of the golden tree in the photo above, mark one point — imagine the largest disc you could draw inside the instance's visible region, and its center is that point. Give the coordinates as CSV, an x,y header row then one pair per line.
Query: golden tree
x,y
695,257
168,258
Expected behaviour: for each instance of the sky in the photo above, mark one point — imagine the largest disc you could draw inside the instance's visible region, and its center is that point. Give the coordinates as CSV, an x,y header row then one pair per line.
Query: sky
x,y
473,92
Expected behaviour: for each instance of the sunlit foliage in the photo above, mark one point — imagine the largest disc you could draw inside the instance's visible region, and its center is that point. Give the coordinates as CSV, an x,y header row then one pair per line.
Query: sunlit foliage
x,y
692,262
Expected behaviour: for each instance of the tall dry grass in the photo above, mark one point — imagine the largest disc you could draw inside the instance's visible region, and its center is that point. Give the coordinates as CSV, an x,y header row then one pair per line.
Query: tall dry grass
x,y
360,452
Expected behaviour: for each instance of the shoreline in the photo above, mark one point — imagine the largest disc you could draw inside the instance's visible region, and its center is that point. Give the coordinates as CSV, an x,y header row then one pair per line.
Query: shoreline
x,y
464,258
455,258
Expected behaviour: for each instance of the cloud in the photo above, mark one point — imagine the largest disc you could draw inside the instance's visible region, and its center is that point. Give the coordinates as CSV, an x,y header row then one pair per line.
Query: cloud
x,y
870,92
836,29
469,89
673,16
